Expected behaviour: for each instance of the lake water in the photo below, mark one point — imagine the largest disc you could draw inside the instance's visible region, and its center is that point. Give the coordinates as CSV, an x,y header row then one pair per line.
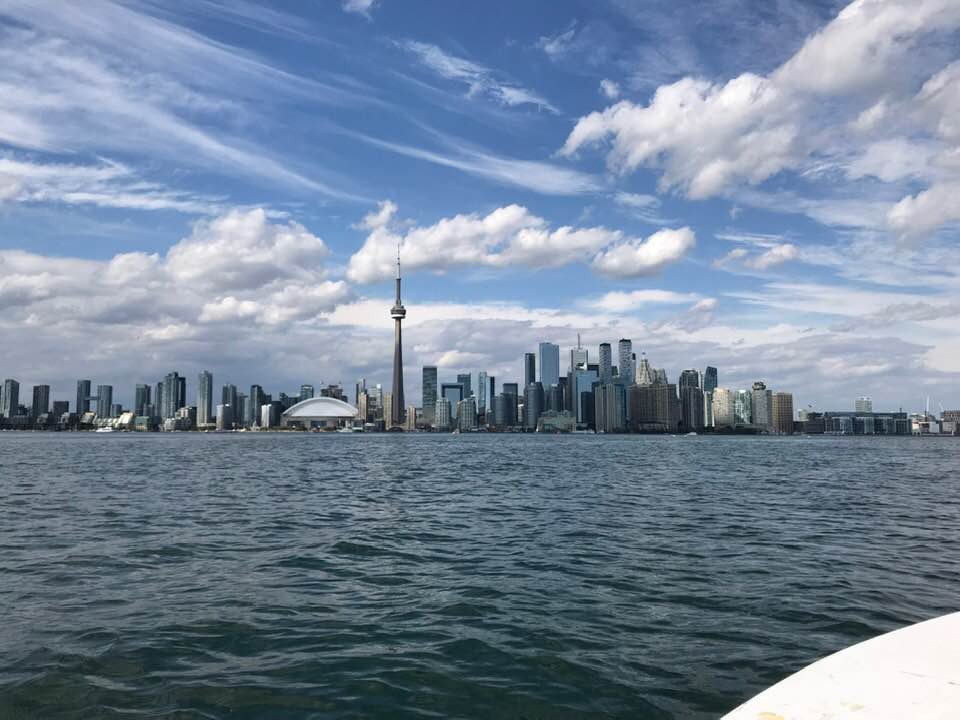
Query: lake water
x,y
497,576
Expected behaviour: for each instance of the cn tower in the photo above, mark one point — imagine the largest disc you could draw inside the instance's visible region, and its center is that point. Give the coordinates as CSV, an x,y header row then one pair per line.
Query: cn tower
x,y
398,312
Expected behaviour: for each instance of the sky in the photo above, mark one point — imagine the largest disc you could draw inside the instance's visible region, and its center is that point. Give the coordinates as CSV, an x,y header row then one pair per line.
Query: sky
x,y
768,186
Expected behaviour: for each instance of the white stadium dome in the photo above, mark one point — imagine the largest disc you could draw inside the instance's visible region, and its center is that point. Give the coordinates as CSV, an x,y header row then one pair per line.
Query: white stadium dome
x,y
320,408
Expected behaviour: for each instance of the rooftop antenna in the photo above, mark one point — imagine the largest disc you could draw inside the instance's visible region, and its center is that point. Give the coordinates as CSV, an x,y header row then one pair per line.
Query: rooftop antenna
x,y
398,259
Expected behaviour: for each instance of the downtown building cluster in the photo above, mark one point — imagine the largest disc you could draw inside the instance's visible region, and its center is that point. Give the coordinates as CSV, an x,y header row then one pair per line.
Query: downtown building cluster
x,y
601,396
613,394
160,406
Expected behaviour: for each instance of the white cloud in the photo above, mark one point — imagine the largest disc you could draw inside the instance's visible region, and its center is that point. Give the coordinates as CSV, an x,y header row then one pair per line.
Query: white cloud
x,y
507,236
703,135
637,257
776,255
228,308
620,302
244,250
236,267
359,7
774,252
479,79
927,210
610,89
858,72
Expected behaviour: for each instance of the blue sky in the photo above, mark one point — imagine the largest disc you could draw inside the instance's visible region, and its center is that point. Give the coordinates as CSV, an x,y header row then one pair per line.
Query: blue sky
x,y
768,187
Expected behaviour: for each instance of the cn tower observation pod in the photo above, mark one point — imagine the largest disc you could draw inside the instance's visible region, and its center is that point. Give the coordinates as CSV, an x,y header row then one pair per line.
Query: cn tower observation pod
x,y
318,410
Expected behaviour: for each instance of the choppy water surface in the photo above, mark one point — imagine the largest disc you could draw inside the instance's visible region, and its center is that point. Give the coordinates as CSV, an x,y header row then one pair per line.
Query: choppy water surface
x,y
334,576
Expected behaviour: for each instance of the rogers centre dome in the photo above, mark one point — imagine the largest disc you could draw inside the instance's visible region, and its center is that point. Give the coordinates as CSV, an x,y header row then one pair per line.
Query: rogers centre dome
x,y
319,408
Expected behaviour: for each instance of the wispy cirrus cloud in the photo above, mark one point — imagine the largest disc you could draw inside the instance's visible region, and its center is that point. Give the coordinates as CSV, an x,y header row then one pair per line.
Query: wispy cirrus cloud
x,y
480,80
72,88
536,175
105,184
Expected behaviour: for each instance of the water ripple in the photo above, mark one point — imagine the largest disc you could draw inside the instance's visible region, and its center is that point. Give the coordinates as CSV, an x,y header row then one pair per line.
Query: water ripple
x,y
338,576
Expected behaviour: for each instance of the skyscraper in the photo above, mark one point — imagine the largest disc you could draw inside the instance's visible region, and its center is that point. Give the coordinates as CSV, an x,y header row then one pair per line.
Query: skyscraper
x,y
467,414
626,363
204,397
465,380
505,409
691,407
549,364
225,416
359,389
228,396
709,379
181,393
398,313
606,363
723,407
645,374
655,408
578,355
141,399
708,409
783,413
306,393
689,378
863,404
532,405
41,401
442,420
529,368
483,392
429,388
762,400
387,409
104,400
454,393
174,394
582,389
83,397
743,407
610,407
240,411
255,400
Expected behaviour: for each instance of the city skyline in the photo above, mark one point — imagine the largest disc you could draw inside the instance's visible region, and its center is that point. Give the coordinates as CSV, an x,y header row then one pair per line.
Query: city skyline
x,y
175,391
245,217
193,389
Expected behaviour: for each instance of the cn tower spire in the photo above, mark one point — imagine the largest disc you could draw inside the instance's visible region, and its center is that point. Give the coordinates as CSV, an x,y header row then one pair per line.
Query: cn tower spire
x,y
398,313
